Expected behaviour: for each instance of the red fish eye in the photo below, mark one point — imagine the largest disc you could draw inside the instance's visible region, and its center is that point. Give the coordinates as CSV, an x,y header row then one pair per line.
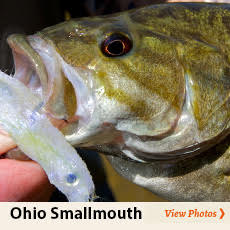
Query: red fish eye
x,y
116,45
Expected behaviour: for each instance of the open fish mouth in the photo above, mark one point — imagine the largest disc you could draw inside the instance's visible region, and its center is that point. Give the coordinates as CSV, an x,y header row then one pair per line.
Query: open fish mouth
x,y
39,67
31,70
66,100
29,67
26,106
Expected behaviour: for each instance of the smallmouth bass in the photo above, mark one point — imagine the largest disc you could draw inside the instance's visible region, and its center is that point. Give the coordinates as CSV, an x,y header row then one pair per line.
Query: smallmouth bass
x,y
150,85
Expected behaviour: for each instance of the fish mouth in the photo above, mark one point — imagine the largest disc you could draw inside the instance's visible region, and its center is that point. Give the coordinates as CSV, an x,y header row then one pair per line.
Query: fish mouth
x,y
39,67
31,70
29,67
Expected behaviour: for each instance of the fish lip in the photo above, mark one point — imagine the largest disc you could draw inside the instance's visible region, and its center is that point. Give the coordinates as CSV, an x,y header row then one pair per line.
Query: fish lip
x,y
28,64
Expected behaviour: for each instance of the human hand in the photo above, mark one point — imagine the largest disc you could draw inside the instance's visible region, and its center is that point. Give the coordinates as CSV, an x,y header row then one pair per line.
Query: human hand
x,y
21,180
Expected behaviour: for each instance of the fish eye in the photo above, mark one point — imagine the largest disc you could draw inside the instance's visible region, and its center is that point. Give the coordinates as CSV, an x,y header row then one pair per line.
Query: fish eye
x,y
116,45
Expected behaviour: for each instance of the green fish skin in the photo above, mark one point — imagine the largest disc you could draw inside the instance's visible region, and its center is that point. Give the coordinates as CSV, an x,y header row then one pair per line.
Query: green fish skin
x,y
149,87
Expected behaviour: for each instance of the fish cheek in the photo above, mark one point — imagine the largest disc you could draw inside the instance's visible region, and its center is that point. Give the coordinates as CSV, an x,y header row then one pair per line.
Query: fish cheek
x,y
151,94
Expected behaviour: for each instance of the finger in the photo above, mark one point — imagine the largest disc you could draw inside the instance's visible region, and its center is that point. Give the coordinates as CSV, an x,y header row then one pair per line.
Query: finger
x,y
23,181
6,142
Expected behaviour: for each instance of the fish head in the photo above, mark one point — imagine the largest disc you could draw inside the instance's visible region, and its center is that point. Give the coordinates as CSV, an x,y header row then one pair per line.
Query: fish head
x,y
131,84
107,78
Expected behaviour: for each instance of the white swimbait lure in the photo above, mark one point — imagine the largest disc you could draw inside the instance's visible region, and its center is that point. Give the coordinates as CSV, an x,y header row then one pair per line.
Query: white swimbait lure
x,y
21,115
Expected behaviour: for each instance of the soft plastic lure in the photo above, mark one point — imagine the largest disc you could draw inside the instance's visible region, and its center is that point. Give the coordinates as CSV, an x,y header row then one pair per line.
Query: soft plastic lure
x,y
22,116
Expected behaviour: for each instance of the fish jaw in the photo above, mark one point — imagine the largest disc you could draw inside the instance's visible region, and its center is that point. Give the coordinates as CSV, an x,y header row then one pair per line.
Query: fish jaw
x,y
32,53
43,75
31,70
